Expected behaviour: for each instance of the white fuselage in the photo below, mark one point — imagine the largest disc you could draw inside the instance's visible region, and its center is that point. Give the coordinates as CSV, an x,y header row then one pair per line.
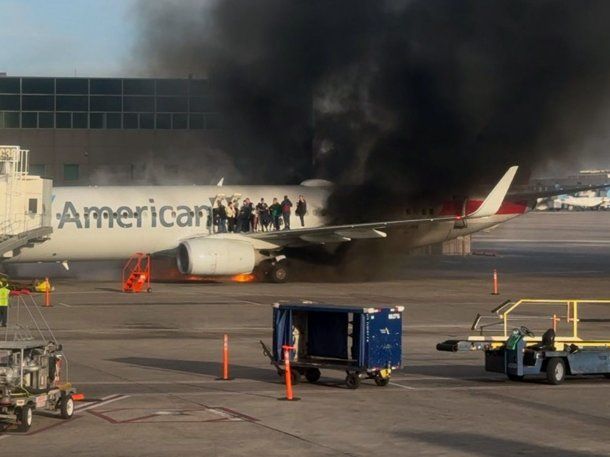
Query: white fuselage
x,y
101,223
107,223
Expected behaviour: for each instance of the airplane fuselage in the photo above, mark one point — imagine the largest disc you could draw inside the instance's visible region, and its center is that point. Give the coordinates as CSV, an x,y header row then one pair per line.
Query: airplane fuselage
x,y
102,223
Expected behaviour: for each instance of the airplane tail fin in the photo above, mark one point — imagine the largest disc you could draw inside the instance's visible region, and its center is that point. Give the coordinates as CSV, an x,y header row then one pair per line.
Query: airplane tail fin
x,y
492,203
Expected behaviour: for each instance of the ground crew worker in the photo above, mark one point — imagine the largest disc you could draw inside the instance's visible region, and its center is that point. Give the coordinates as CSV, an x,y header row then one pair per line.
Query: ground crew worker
x,y
4,294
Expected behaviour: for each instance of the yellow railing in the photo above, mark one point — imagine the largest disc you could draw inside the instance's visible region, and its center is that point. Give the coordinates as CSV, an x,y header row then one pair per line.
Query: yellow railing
x,y
504,311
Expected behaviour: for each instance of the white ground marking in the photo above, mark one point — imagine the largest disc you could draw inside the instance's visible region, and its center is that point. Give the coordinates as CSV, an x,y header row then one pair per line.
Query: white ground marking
x,y
105,401
403,386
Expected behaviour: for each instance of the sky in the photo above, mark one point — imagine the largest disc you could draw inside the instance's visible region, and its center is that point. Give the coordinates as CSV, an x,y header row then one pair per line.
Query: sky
x,y
66,37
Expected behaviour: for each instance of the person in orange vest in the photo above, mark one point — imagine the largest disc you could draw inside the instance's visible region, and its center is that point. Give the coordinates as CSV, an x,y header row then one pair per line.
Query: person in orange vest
x,y
4,294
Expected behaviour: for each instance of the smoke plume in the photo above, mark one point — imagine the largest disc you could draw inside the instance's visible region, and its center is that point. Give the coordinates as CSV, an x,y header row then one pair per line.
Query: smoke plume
x,y
396,100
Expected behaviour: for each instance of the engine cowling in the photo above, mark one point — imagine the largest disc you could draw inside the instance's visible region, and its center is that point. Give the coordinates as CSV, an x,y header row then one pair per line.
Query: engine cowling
x,y
205,256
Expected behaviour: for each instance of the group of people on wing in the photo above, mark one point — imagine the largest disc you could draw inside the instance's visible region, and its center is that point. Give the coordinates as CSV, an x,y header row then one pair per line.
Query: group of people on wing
x,y
254,218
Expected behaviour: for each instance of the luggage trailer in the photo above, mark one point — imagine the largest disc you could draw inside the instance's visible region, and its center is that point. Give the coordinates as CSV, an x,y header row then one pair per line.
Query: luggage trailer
x,y
31,378
365,342
517,352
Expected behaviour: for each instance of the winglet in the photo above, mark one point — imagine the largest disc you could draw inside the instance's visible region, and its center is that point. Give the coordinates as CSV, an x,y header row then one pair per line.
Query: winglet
x,y
492,203
221,182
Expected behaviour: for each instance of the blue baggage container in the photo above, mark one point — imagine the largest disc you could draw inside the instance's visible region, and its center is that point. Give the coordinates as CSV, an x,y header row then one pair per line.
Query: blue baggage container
x,y
365,342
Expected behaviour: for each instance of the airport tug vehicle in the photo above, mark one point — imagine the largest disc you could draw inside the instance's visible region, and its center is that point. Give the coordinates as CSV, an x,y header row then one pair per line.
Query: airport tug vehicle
x,y
31,379
365,342
519,353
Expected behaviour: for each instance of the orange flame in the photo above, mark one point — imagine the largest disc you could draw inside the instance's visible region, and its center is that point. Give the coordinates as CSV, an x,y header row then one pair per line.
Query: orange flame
x,y
244,277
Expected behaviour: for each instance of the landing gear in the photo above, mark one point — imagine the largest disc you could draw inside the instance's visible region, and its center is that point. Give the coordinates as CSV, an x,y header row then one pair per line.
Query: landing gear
x,y
273,270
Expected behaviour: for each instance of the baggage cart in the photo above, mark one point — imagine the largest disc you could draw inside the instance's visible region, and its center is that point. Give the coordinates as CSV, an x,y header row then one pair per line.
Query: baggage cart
x,y
365,342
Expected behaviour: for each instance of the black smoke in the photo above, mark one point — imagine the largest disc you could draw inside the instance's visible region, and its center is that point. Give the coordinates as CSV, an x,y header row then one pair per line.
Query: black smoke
x,y
398,101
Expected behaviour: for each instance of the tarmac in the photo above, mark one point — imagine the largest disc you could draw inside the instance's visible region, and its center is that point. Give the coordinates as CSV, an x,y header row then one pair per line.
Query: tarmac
x,y
148,363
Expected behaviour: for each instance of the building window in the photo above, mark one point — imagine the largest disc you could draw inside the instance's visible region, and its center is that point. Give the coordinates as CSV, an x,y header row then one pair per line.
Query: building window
x,y
106,86
199,87
172,87
164,121
147,121
9,85
101,103
63,120
130,121
72,86
72,103
11,120
172,104
138,104
96,120
79,120
38,85
180,121
71,172
9,102
45,120
29,120
138,87
37,169
199,104
196,121
113,121
38,103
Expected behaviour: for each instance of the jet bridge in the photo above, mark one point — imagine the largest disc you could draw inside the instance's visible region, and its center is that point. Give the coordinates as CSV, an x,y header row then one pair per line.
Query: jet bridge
x,y
25,203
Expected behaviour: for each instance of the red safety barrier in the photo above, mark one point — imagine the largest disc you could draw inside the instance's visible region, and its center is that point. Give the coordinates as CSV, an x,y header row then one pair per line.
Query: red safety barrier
x,y
495,286
288,374
225,359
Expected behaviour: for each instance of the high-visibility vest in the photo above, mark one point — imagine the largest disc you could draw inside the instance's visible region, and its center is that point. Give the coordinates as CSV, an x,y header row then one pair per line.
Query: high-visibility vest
x,y
4,293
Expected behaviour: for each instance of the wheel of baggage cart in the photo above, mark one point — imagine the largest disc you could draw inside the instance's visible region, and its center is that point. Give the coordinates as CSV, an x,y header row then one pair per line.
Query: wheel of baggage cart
x,y
312,374
24,417
66,406
352,380
515,377
556,371
381,381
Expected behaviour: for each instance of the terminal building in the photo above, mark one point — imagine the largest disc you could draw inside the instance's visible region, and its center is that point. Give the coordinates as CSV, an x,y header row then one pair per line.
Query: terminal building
x,y
88,131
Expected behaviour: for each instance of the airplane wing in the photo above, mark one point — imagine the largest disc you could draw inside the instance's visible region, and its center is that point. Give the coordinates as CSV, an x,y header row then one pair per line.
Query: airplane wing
x,y
555,191
348,232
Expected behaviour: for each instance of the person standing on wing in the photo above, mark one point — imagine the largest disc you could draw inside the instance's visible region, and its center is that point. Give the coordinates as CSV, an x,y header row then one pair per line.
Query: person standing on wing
x,y
276,211
286,210
301,209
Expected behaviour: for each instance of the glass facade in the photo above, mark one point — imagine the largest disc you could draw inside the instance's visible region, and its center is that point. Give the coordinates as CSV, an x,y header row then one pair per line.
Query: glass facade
x,y
106,103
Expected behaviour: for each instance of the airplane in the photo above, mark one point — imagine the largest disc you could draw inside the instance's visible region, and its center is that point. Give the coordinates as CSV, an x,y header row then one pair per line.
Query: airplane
x,y
113,222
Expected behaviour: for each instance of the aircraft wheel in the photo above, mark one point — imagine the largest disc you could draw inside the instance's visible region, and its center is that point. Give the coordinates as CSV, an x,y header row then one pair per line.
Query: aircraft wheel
x,y
278,273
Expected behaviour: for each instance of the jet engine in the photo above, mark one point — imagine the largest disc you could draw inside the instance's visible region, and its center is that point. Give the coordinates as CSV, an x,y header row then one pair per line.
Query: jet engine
x,y
215,256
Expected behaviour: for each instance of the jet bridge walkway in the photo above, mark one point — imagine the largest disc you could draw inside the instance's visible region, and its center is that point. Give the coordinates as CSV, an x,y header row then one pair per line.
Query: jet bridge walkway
x,y
25,203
